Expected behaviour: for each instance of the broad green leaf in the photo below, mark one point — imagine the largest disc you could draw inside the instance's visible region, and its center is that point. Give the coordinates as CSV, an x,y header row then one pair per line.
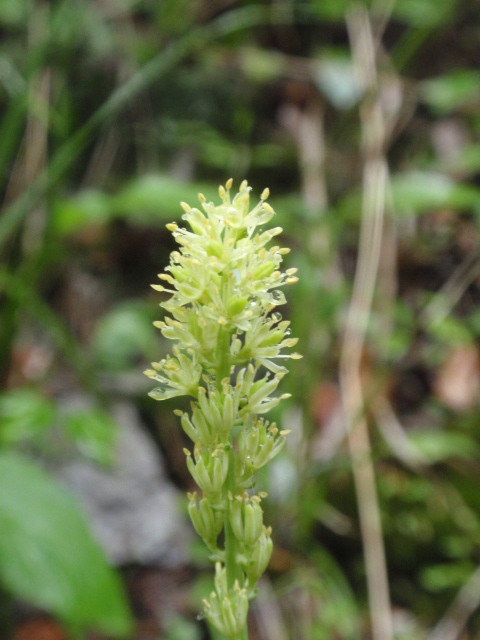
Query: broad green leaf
x,y
457,546
468,159
395,344
338,613
436,445
178,628
330,9
48,556
452,91
174,16
74,23
13,12
451,330
87,208
452,575
24,414
422,190
124,335
155,198
94,433
424,13
268,155
474,322
219,152
260,65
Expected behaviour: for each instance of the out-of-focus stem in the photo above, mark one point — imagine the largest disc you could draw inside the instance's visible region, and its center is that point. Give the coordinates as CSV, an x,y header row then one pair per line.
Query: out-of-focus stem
x,y
375,185
462,607
357,430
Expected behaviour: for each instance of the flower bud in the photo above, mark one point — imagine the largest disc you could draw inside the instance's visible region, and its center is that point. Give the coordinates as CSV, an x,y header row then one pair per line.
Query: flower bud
x,y
226,609
271,338
208,470
246,519
264,270
259,557
187,425
236,304
207,520
258,444
258,398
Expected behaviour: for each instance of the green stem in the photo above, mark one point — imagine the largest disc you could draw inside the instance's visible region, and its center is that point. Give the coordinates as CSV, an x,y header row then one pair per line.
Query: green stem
x,y
233,569
223,357
231,547
223,370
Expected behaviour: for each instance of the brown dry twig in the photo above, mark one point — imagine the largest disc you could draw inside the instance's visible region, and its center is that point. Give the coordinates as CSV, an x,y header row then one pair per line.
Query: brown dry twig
x,y
375,128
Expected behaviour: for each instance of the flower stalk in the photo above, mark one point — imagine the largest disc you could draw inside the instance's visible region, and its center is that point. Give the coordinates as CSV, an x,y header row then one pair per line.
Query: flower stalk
x,y
225,284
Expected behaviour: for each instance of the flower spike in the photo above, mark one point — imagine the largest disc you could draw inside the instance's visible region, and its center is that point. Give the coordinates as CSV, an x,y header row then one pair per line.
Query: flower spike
x,y
225,284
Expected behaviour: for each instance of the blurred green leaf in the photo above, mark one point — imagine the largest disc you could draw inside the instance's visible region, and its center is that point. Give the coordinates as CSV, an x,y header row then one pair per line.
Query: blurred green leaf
x,y
395,344
87,208
147,199
94,432
49,558
474,322
218,151
338,613
451,330
13,11
446,576
330,9
424,13
174,16
156,198
422,190
123,335
178,628
260,65
436,445
456,546
268,155
451,91
87,25
24,414
290,211
464,161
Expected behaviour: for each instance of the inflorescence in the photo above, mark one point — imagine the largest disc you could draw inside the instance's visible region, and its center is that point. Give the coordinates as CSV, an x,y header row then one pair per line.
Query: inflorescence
x,y
225,284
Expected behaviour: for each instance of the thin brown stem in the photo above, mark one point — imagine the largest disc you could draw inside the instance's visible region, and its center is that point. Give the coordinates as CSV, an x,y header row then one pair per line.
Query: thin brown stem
x,y
375,189
456,616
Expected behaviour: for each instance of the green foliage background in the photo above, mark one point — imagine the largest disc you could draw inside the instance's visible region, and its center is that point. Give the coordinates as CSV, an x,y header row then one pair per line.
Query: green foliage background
x,y
111,112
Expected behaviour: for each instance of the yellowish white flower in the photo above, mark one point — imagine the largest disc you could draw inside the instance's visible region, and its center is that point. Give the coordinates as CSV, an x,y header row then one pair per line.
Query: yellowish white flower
x,y
224,285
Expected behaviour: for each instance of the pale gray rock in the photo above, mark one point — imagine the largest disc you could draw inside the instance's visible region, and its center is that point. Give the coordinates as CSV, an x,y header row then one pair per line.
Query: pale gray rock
x,y
133,509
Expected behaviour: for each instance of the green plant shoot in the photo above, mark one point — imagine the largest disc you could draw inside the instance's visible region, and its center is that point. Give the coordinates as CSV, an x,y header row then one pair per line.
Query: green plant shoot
x,y
225,285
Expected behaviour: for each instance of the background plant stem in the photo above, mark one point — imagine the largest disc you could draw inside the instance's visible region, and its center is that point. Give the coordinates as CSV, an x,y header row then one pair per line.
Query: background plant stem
x,y
375,178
